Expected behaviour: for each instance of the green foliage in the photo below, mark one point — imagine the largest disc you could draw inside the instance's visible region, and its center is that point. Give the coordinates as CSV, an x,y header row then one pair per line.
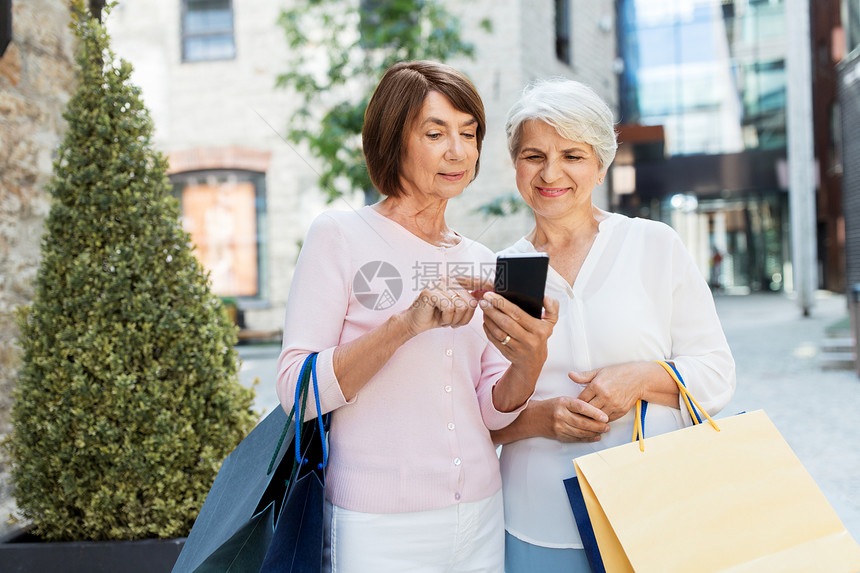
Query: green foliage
x,y
339,50
503,205
128,397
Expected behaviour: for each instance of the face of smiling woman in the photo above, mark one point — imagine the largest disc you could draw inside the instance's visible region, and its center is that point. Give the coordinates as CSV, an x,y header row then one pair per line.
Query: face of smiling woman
x,y
441,151
555,175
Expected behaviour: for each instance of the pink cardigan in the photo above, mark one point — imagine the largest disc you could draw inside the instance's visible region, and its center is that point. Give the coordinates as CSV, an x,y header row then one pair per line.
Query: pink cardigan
x,y
416,436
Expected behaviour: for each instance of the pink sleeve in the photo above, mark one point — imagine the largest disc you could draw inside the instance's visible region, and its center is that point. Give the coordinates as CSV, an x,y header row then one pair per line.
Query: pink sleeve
x,y
493,367
316,307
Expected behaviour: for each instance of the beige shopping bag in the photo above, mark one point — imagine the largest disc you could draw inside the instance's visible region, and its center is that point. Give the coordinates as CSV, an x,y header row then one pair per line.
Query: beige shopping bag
x,y
699,499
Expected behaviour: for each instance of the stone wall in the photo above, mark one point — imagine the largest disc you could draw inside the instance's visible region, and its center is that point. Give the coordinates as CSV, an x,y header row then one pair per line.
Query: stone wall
x,y
36,82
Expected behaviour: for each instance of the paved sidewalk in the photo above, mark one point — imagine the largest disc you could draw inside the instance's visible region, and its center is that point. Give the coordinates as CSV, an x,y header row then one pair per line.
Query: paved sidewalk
x,y
777,355
260,362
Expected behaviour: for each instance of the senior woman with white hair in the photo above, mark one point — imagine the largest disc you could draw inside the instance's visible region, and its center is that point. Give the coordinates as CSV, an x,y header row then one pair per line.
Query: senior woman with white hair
x,y
629,294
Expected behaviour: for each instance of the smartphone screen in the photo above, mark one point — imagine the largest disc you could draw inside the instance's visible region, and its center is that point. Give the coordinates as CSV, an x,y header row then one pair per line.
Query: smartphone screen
x,y
521,279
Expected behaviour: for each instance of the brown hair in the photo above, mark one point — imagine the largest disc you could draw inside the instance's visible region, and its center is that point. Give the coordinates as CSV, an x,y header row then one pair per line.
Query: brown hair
x,y
395,105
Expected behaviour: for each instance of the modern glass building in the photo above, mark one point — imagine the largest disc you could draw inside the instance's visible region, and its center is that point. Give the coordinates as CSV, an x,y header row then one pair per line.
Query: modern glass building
x,y
848,86
851,17
703,132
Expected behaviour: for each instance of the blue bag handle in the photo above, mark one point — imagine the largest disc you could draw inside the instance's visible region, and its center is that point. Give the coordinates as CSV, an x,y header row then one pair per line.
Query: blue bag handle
x,y
678,374
302,388
307,373
693,407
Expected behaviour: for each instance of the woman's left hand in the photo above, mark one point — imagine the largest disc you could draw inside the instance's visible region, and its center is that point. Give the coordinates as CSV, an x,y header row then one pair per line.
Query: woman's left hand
x,y
520,337
613,389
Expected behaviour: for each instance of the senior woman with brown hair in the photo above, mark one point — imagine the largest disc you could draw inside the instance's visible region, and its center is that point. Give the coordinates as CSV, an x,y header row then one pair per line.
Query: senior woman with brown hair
x,y
404,365
629,293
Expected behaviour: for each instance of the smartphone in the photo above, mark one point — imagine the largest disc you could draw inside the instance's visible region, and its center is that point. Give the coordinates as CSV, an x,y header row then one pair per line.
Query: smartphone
x,y
521,278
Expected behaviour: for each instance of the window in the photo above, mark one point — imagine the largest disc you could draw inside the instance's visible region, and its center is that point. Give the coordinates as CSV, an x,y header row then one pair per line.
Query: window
x,y
207,30
562,30
836,138
224,211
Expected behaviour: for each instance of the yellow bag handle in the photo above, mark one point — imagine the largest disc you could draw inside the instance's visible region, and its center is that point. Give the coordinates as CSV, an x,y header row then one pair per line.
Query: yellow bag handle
x,y
689,401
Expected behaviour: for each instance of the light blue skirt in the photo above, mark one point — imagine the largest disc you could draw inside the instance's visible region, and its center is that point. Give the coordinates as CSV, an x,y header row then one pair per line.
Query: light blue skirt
x,y
523,557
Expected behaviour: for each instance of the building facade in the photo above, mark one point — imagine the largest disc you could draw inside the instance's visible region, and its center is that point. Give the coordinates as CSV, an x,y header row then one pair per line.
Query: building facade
x,y
208,69
850,93
704,136
848,146
708,78
828,48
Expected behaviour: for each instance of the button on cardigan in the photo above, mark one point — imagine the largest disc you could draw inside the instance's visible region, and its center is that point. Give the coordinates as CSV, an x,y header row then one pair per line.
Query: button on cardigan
x,y
415,437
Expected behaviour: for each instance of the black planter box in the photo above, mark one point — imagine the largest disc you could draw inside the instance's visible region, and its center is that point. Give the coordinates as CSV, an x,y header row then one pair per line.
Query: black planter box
x,y
21,552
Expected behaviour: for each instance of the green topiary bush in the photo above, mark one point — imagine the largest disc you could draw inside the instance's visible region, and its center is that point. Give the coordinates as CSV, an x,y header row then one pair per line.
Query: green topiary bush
x,y
128,397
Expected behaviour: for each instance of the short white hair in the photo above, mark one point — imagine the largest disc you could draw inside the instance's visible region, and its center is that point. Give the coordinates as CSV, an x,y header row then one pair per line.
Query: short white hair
x,y
575,111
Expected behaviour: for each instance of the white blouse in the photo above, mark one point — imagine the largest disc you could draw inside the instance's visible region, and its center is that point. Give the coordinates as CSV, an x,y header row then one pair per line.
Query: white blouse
x,y
638,296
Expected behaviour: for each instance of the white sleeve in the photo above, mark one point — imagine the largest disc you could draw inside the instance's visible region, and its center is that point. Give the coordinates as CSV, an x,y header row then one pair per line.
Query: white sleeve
x,y
700,351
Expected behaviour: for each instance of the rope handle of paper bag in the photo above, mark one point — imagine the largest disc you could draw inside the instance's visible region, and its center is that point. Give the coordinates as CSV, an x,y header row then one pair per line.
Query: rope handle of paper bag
x,y
692,406
308,372
676,376
639,423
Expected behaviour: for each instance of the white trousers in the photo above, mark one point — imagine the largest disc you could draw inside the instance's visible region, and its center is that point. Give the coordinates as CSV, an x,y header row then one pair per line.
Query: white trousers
x,y
462,538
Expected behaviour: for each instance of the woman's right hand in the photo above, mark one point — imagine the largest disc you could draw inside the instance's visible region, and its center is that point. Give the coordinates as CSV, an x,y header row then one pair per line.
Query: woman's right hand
x,y
357,361
444,303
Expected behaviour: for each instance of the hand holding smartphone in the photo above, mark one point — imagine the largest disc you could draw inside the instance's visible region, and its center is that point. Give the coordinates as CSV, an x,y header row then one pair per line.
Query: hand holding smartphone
x,y
521,278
